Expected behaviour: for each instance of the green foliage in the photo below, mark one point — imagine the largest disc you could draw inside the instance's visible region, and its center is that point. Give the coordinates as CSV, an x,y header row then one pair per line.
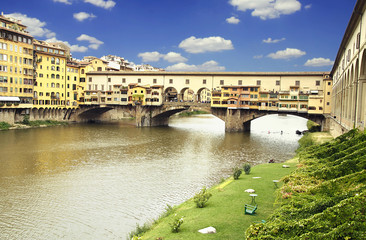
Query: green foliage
x,y
236,173
4,126
313,127
139,230
168,210
247,167
202,197
26,120
305,141
175,225
325,197
190,113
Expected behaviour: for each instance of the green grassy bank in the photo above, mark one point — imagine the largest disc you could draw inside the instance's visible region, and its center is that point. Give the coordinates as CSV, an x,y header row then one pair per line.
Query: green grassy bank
x,y
225,209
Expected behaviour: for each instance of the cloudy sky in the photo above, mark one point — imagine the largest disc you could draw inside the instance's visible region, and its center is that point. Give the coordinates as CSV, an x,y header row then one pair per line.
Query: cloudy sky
x,y
194,35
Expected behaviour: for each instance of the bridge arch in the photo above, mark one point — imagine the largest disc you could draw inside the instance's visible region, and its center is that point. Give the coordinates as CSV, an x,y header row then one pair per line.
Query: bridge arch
x,y
186,95
203,95
170,94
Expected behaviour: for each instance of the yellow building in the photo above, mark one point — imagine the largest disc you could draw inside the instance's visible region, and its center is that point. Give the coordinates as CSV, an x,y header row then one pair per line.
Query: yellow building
x,y
16,64
73,88
50,88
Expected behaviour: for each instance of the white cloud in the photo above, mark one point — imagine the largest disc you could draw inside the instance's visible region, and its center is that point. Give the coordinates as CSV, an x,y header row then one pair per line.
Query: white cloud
x,y
73,48
319,62
232,20
94,43
150,56
288,53
174,57
209,66
308,6
270,40
109,4
267,9
35,27
63,1
210,44
156,56
81,16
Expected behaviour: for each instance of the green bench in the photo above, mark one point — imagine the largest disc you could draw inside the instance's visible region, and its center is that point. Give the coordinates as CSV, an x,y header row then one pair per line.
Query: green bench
x,y
250,209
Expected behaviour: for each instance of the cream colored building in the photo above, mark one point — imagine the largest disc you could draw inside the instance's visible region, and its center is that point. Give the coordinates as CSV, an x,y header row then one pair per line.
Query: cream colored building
x,y
349,75
287,92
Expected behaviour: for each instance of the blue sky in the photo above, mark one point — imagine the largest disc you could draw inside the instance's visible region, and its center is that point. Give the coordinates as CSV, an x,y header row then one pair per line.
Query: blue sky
x,y
194,35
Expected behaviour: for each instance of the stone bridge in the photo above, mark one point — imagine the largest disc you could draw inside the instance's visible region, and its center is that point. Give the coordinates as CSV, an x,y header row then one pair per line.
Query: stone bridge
x,y
236,120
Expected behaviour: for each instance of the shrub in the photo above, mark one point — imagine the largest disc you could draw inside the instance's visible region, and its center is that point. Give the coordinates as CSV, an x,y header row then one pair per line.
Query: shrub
x,y
26,119
135,234
4,125
247,167
312,126
202,197
236,173
175,225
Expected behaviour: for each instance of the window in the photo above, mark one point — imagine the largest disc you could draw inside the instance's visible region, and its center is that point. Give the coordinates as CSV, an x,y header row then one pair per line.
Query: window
x,y
222,82
99,69
82,71
204,81
123,80
317,83
329,83
155,81
258,82
90,79
240,82
109,79
297,83
171,81
358,41
328,93
139,80
187,81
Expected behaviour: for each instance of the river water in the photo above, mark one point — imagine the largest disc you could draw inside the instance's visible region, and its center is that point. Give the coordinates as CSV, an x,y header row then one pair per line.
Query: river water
x,y
99,181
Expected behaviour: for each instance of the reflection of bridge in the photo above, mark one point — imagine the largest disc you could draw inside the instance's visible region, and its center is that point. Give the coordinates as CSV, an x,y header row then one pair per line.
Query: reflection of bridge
x,y
236,120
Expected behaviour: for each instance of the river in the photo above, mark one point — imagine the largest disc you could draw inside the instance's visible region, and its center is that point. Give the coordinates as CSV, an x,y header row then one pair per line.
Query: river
x,y
98,181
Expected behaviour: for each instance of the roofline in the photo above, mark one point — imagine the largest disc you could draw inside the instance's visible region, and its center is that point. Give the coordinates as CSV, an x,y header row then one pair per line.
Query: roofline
x,y
154,73
357,12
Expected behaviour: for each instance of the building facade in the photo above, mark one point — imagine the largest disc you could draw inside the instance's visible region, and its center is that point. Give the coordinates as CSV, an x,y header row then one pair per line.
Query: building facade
x,y
16,65
349,75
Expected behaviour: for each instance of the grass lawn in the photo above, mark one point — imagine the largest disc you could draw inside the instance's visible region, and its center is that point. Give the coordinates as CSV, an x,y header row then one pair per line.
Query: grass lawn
x,y
225,209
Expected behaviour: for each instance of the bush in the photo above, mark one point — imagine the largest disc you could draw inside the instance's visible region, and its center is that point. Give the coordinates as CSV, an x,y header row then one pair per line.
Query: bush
x,y
26,120
236,173
202,197
175,225
247,167
4,125
135,234
312,126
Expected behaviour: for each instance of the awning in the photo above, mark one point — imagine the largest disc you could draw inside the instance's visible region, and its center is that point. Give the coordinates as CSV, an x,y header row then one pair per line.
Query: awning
x,y
9,99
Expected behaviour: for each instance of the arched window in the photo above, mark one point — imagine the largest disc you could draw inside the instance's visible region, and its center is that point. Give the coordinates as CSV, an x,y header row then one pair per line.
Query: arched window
x,y
57,76
57,61
57,85
82,71
53,60
52,75
52,85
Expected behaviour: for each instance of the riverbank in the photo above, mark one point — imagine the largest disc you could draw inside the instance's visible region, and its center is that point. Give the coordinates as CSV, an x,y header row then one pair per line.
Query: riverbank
x,y
31,124
225,209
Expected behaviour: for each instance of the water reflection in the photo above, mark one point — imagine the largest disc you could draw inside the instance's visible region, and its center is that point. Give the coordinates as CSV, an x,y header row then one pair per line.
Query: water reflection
x,y
98,181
